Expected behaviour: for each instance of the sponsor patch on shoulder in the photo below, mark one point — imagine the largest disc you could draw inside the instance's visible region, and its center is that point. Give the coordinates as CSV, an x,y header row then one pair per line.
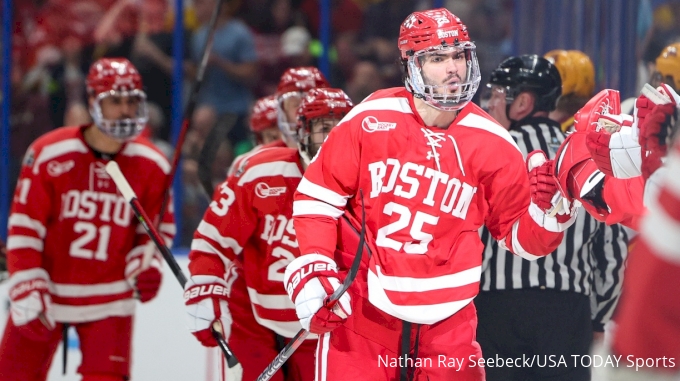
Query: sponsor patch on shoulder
x,y
263,190
55,168
372,124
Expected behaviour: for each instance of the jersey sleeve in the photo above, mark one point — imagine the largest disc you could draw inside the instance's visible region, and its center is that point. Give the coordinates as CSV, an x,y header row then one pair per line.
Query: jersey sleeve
x,y
28,217
512,219
329,181
226,227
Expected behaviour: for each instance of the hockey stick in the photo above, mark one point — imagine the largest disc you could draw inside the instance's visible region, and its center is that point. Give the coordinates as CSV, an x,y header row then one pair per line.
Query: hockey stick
x,y
330,302
234,367
191,105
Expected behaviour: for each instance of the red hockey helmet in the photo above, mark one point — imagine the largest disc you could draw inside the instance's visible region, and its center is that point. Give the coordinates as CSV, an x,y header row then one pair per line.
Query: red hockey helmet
x,y
437,30
293,85
319,104
116,77
263,115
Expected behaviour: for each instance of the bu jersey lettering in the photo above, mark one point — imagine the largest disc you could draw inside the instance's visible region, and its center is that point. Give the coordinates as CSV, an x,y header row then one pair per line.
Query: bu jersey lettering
x,y
68,218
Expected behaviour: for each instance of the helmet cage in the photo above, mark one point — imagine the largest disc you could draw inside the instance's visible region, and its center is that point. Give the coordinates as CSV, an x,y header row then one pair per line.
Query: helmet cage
x,y
121,129
305,132
436,95
289,129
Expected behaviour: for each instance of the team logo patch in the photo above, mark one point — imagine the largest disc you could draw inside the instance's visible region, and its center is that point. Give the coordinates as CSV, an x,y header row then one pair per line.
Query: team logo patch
x,y
55,168
371,124
263,190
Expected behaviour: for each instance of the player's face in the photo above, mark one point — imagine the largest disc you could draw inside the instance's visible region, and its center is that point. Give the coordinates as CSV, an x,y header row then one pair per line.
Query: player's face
x,y
320,129
116,107
270,135
290,105
497,106
445,69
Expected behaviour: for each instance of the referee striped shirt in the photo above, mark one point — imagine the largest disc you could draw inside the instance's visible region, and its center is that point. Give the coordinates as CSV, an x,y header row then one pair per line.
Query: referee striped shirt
x,y
590,259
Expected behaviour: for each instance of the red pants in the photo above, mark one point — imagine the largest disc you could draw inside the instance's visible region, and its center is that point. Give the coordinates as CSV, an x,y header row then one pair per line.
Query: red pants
x,y
256,346
367,347
104,344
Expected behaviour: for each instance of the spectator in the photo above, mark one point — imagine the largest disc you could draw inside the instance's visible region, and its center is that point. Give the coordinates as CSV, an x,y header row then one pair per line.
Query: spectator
x,y
366,78
232,67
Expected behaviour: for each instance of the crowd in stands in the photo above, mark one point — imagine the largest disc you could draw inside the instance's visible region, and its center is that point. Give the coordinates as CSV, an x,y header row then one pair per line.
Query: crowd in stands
x,y
55,41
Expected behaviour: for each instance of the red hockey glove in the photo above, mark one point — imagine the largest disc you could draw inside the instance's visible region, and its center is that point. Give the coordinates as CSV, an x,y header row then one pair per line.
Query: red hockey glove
x,y
310,280
546,197
205,297
615,151
653,134
147,284
31,304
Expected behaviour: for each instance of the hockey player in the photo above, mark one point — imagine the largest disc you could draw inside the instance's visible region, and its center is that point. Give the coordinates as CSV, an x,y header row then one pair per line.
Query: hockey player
x,y
578,83
520,301
250,222
264,126
75,251
293,85
433,168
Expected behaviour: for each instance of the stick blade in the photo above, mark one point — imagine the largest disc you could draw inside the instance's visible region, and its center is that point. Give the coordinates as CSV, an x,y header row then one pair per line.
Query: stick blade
x,y
124,187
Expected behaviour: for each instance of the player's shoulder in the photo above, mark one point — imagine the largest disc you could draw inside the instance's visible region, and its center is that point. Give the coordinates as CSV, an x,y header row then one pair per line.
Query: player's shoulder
x,y
55,144
269,163
480,122
141,151
381,111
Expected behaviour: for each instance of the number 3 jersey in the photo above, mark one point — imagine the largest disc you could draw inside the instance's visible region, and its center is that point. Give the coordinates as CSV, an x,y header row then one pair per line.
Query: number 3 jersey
x,y
68,218
426,191
249,222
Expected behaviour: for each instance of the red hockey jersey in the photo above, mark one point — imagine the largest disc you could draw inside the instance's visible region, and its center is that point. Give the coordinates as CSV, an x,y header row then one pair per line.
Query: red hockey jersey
x,y
250,221
427,191
68,218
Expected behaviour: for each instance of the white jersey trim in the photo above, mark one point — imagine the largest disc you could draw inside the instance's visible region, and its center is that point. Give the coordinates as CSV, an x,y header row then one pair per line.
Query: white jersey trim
x,y
65,290
660,232
276,168
398,104
63,147
318,192
15,242
210,231
28,274
477,121
81,314
420,314
312,207
136,149
408,284
24,221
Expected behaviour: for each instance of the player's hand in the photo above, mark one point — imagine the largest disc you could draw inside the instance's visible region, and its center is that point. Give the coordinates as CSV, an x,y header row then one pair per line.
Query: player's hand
x,y
310,280
205,297
616,152
147,284
31,304
654,131
548,206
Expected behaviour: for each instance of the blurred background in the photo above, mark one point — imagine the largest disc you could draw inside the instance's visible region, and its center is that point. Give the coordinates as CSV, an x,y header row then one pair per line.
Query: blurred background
x,y
48,45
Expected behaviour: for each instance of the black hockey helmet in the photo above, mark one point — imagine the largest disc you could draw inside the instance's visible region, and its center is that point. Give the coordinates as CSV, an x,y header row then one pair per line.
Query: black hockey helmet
x,y
529,72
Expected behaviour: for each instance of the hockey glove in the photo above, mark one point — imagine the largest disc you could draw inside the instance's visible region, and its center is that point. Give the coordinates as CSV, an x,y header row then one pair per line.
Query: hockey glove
x,y
616,152
205,297
145,278
310,280
31,304
654,132
548,207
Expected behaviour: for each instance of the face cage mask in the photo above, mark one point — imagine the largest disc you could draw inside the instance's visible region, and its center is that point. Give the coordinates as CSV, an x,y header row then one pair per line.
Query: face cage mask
x,y
305,144
121,129
288,129
415,82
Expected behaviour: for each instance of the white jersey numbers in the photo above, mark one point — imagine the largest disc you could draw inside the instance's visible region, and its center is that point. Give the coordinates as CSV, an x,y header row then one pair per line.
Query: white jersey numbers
x,y
90,233
221,207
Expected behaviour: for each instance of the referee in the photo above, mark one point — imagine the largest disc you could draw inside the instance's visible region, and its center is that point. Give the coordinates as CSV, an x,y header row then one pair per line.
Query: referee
x,y
551,306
